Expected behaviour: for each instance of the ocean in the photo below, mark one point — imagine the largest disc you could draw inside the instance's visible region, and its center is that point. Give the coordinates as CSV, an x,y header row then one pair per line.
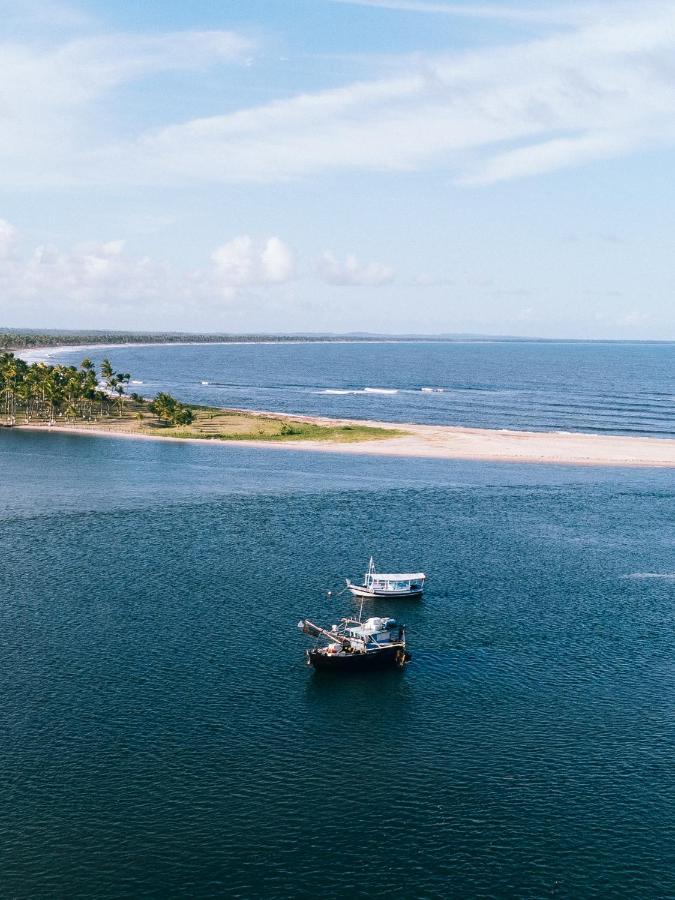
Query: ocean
x,y
613,388
162,736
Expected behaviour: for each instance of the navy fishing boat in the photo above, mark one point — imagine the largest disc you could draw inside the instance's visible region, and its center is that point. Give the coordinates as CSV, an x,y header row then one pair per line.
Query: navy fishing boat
x,y
353,646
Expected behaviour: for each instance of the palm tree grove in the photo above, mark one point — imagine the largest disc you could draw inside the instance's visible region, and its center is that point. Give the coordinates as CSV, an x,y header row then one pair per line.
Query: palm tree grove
x,y
44,393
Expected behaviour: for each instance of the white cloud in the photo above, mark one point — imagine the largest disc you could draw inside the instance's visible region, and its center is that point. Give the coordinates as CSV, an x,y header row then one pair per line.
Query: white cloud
x,y
94,279
234,261
103,279
601,89
102,284
350,271
548,156
116,58
242,262
7,235
53,123
41,13
92,273
541,14
277,262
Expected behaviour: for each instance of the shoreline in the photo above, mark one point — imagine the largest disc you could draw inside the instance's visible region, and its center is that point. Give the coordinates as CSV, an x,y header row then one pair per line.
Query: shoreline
x,y
442,442
45,352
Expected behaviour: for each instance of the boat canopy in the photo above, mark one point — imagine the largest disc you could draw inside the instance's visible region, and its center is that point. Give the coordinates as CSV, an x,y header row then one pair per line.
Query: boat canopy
x,y
400,576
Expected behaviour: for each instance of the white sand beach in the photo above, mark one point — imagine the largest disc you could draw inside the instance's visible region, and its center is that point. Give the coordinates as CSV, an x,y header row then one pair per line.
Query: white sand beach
x,y
497,445
451,442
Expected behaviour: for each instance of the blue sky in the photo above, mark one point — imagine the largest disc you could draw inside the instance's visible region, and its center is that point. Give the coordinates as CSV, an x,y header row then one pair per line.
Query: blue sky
x,y
339,165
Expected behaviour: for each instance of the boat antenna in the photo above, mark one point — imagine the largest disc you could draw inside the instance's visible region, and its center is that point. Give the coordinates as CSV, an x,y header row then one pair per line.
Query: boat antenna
x,y
361,610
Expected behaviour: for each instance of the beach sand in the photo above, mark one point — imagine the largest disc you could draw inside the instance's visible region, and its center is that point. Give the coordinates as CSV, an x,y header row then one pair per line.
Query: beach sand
x,y
451,442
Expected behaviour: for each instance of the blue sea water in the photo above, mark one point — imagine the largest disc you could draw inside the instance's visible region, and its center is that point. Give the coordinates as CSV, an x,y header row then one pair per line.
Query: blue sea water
x,y
620,388
162,737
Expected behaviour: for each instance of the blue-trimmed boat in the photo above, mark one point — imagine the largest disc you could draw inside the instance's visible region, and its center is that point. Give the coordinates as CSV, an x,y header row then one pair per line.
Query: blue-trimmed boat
x,y
400,585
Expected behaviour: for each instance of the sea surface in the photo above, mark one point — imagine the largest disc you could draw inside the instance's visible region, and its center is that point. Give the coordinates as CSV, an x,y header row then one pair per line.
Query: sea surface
x,y
161,735
615,388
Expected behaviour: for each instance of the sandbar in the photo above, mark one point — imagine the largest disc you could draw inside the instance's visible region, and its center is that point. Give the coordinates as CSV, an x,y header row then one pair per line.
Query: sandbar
x,y
446,442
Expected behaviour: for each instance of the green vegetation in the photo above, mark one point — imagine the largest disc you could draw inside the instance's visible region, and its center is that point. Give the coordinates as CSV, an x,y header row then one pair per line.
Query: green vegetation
x,y
233,425
280,430
50,394
40,392
22,340
170,411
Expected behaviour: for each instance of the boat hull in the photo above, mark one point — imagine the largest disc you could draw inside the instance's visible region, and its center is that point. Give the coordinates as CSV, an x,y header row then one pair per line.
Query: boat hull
x,y
359,591
386,658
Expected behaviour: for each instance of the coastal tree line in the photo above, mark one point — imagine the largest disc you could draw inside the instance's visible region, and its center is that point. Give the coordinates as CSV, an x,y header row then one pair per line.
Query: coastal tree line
x,y
38,392
22,340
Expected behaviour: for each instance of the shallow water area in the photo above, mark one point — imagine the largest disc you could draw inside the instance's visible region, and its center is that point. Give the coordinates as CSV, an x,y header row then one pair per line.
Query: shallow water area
x,y
162,736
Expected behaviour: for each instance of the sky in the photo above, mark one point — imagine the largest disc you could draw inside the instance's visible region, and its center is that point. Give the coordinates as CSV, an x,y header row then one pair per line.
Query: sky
x,y
392,166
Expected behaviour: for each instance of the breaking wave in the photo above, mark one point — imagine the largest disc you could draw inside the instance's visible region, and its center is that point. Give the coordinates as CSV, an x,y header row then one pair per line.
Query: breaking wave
x,y
665,576
367,390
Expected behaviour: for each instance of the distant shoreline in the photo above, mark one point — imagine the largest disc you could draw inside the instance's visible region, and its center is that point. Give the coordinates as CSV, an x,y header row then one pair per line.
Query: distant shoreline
x,y
43,353
28,342
24,345
443,442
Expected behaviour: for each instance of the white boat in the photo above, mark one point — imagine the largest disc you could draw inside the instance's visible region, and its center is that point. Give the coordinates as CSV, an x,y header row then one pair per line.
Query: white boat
x,y
396,585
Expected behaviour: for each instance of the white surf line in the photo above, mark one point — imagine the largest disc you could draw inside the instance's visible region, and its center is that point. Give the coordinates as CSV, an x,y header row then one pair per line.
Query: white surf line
x,y
42,354
663,576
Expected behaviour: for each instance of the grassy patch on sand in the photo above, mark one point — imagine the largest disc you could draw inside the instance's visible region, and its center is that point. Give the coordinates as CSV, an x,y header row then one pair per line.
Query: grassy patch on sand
x,y
219,424
226,425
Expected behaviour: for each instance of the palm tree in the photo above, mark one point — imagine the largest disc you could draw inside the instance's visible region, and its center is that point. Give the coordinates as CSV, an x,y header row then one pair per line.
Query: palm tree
x,y
170,411
106,370
47,391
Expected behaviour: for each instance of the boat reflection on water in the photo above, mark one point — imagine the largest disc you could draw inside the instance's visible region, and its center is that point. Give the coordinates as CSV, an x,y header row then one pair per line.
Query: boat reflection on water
x,y
355,646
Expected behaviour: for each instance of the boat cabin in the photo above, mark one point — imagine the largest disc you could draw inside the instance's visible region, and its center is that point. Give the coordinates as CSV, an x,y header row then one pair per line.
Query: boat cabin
x,y
397,582
375,630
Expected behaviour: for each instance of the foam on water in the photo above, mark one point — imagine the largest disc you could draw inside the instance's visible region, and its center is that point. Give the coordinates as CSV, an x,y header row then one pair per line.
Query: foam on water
x,y
666,576
337,391
346,391
374,390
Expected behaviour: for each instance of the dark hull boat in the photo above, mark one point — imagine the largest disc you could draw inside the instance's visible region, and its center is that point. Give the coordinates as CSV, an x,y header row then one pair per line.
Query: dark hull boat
x,y
386,658
355,646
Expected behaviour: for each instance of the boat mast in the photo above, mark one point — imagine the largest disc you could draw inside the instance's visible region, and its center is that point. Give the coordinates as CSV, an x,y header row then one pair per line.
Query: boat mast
x,y
368,577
